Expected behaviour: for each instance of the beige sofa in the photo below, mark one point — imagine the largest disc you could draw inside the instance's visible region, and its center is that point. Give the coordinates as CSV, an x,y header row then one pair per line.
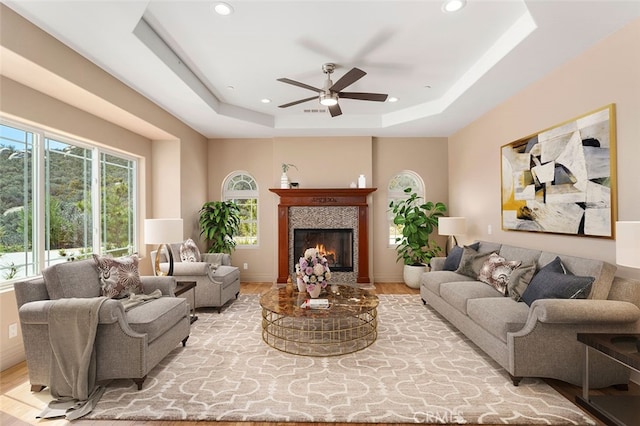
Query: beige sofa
x,y
127,344
538,340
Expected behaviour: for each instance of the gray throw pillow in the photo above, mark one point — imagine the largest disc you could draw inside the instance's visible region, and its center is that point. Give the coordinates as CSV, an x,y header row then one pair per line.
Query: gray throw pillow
x,y
519,280
471,262
452,261
555,282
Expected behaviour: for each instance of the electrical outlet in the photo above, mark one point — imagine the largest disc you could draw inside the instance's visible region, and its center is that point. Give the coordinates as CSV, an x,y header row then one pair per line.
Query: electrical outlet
x,y
13,330
489,229
245,266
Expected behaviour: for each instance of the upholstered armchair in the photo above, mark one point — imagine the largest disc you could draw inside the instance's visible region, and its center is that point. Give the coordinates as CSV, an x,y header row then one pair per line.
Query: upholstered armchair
x,y
128,343
217,282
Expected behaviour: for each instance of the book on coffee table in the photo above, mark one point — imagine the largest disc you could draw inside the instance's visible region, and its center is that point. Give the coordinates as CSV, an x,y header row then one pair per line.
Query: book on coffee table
x,y
316,304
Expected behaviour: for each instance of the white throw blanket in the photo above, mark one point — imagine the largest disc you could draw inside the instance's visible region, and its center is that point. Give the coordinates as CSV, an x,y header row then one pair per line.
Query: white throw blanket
x,y
73,324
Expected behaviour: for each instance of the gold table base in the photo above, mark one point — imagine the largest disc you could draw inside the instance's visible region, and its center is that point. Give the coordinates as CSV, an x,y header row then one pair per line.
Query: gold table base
x,y
349,325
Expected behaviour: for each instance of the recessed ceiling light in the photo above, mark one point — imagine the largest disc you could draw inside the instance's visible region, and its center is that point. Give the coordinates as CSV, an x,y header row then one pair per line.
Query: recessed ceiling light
x,y
392,99
265,101
223,9
453,5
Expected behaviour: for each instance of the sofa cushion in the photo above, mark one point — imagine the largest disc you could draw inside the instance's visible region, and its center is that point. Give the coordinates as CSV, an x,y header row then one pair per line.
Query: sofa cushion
x,y
457,294
72,279
432,280
452,261
471,262
189,251
519,280
554,281
157,316
498,315
496,272
525,255
119,277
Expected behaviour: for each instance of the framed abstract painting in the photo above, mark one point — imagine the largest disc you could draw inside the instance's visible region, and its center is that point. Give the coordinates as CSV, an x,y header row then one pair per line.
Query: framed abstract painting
x,y
562,180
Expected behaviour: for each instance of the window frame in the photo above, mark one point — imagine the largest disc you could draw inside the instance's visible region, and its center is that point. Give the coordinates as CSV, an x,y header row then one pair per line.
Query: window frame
x,y
230,195
397,195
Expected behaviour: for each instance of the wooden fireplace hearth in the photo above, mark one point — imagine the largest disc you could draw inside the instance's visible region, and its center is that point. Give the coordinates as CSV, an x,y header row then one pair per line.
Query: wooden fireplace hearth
x,y
323,197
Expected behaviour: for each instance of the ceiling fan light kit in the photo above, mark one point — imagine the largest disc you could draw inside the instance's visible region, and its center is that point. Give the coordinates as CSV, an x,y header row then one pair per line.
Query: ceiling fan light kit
x,y
328,99
331,92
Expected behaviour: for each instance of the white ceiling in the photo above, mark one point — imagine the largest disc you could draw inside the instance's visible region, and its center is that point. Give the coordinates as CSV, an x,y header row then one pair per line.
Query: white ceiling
x,y
446,69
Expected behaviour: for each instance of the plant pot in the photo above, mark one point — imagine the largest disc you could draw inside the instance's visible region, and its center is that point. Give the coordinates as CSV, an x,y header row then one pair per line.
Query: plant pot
x,y
284,181
411,275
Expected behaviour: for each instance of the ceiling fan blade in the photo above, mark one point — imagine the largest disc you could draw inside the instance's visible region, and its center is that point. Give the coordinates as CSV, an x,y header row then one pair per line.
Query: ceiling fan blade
x,y
335,110
297,102
297,83
348,79
377,97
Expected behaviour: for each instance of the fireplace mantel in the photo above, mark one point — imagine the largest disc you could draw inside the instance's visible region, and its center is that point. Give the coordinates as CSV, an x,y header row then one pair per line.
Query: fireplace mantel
x,y
322,197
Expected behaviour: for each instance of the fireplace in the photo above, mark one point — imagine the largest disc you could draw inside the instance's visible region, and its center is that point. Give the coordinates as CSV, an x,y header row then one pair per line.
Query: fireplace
x,y
336,245
324,208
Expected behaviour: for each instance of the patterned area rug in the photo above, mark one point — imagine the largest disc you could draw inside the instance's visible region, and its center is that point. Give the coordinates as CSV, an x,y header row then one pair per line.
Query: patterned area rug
x,y
420,370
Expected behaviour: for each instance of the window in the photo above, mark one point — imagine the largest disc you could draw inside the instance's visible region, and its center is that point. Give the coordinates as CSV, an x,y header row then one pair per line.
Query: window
x,y
395,192
61,200
241,188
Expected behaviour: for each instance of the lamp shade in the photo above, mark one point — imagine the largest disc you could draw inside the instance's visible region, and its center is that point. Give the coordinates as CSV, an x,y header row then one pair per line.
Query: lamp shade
x,y
452,225
628,244
163,231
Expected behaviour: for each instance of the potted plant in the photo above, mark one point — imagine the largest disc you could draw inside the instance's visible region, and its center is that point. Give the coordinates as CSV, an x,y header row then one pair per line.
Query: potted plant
x,y
219,223
284,179
418,220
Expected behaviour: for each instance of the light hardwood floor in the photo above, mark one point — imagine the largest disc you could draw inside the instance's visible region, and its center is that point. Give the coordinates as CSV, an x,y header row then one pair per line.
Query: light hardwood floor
x,y
19,406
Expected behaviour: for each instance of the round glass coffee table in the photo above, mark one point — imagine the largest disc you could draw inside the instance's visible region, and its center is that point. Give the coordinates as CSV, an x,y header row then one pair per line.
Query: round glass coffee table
x,y
349,324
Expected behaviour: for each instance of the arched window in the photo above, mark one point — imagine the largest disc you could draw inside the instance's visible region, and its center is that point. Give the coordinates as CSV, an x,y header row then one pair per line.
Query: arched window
x,y
241,188
395,192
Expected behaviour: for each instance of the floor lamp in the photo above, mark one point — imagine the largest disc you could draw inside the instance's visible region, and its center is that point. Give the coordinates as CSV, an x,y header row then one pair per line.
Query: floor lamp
x,y
628,244
451,226
163,232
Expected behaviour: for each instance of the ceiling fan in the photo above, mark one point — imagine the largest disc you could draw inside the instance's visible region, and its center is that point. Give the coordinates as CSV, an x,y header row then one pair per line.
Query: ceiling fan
x,y
331,91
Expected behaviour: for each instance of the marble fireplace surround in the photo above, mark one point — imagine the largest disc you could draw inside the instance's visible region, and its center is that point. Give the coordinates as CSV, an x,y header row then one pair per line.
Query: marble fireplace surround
x,y
324,208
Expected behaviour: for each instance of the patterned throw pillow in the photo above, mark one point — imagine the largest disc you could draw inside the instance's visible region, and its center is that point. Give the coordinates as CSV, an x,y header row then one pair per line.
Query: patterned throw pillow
x,y
496,271
471,262
119,277
189,251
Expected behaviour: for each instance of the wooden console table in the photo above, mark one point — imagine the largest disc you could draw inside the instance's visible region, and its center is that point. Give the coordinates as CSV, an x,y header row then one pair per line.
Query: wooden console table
x,y
616,410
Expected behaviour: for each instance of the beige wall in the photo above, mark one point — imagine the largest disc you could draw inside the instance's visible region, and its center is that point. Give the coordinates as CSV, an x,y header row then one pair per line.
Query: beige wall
x,y
337,162
606,73
179,162
425,156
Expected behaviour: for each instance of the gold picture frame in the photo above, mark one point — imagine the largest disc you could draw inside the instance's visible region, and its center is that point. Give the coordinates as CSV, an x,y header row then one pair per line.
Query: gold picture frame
x,y
562,180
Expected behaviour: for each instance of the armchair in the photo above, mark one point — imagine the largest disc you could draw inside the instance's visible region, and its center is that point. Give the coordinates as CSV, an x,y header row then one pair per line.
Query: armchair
x,y
216,280
128,344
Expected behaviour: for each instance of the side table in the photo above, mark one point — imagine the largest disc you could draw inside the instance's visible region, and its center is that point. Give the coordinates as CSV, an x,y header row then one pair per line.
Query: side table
x,y
618,410
183,287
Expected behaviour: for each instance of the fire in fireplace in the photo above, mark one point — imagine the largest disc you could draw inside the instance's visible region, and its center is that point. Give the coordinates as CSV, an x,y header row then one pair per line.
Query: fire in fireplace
x,y
335,244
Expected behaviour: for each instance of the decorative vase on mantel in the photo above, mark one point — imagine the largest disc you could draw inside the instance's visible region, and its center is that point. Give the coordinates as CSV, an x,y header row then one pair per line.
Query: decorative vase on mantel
x,y
284,181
